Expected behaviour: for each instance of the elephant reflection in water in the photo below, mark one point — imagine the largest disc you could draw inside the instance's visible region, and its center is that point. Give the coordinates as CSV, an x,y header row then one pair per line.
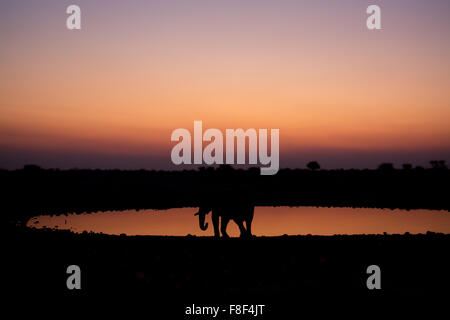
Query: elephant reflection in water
x,y
238,213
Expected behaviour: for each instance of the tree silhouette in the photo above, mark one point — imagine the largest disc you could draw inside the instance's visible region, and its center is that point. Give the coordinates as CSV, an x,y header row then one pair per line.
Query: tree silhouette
x,y
438,164
386,166
407,166
313,165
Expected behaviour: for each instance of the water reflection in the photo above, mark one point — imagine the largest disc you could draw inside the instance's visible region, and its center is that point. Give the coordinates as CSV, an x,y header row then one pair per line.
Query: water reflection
x,y
268,221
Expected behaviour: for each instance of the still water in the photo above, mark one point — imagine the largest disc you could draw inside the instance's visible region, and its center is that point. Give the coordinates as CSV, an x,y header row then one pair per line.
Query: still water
x,y
268,221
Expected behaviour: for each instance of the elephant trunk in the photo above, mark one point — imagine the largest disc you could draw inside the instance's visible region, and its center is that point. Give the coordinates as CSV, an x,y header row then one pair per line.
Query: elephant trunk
x,y
201,221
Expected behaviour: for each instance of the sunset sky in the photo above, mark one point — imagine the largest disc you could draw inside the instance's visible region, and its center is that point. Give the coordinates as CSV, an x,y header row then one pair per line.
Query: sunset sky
x,y
110,94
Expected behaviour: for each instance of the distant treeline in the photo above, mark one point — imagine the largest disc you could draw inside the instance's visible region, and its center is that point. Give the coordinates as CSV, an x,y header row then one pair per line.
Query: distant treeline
x,y
32,190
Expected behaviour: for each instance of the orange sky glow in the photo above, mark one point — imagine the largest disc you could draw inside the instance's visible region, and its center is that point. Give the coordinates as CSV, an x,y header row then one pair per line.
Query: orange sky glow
x,y
131,76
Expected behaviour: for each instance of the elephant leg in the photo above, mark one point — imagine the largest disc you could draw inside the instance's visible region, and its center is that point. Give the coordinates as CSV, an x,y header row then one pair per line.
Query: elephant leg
x,y
240,224
215,221
248,223
249,219
223,226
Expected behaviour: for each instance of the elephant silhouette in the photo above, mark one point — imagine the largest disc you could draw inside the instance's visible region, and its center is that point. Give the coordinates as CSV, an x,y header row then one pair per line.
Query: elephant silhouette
x,y
238,213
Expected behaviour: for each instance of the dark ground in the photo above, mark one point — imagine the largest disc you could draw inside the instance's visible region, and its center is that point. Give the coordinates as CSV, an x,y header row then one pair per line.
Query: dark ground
x,y
159,276
288,274
34,191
